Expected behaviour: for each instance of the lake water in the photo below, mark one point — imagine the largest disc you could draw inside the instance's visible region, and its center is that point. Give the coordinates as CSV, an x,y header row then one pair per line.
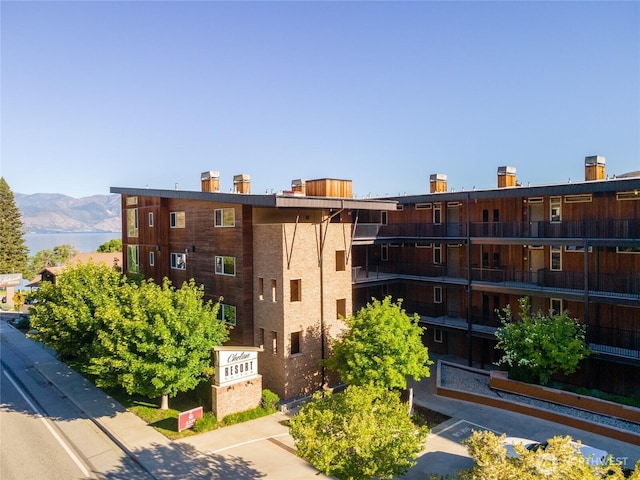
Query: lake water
x,y
84,242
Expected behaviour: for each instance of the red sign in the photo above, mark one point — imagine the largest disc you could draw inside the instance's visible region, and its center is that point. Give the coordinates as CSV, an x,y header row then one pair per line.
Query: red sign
x,y
188,419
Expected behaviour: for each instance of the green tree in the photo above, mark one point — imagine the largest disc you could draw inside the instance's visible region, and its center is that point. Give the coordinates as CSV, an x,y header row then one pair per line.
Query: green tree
x,y
560,459
381,346
156,340
362,433
114,245
64,315
14,252
537,346
49,258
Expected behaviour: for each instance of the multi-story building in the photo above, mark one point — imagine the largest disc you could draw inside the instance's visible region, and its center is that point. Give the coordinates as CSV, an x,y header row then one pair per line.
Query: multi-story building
x,y
288,265
457,257
279,264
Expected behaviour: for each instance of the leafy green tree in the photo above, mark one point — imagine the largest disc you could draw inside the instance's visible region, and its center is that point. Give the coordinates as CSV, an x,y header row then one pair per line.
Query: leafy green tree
x,y
114,245
362,433
560,459
156,340
14,252
64,315
50,258
381,346
537,346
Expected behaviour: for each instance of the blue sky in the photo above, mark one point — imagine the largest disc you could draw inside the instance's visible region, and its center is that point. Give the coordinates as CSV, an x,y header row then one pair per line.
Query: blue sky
x,y
140,93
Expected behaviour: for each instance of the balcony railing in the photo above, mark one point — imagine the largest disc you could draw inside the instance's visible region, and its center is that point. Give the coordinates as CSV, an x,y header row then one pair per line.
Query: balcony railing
x,y
613,341
619,284
543,229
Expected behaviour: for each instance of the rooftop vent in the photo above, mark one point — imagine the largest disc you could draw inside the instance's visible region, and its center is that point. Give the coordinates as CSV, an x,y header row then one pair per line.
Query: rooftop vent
x,y
210,181
594,168
437,183
506,177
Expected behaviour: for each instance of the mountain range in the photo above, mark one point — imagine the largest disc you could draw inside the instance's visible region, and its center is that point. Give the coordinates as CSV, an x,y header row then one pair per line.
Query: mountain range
x,y
58,213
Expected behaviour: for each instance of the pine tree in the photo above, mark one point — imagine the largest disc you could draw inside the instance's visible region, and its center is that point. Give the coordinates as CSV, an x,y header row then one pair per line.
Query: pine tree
x,y
13,250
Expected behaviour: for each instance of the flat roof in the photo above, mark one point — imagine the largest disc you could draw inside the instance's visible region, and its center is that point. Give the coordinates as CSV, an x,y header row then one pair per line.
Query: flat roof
x,y
273,201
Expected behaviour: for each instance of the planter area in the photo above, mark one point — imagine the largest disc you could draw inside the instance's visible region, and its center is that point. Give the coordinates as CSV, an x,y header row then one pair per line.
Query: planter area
x,y
496,390
499,381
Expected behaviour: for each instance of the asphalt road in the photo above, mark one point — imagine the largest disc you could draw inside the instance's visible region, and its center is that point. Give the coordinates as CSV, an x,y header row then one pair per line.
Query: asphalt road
x,y
43,435
32,446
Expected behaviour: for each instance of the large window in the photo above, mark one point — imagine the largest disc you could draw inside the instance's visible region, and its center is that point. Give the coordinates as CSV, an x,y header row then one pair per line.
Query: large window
x,y
555,212
341,308
556,258
133,265
179,261
437,253
437,294
225,265
225,217
227,314
176,220
437,213
556,306
132,222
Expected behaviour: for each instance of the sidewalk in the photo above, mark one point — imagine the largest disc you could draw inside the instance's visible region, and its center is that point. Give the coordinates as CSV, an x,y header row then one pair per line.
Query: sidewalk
x,y
231,452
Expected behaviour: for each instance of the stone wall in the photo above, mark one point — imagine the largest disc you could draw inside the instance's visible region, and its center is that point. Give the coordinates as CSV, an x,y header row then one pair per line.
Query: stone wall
x,y
237,397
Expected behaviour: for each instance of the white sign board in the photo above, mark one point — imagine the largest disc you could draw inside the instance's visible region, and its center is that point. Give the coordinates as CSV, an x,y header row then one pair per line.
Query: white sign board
x,y
235,365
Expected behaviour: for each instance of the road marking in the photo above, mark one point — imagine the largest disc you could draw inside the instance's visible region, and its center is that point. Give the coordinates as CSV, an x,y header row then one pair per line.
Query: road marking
x,y
248,442
42,418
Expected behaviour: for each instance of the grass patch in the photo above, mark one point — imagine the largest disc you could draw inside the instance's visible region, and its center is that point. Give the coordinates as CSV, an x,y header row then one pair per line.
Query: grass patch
x,y
631,401
166,421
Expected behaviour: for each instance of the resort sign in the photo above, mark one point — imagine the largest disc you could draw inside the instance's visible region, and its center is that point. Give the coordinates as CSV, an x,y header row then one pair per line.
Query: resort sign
x,y
234,364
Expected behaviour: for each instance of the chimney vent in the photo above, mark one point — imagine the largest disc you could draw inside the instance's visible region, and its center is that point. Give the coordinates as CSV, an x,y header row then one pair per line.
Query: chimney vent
x,y
241,183
594,168
506,177
438,183
210,181
299,186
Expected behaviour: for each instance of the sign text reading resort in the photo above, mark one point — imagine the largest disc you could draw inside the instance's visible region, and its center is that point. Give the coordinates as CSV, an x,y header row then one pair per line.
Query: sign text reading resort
x,y
233,365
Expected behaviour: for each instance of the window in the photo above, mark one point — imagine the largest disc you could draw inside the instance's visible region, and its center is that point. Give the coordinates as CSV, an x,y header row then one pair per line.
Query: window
x,y
340,261
341,308
556,209
556,306
260,288
496,215
261,337
437,213
584,198
423,206
437,253
627,249
225,265
485,259
132,201
296,290
178,261
384,218
273,290
227,314
556,258
150,219
496,259
437,294
132,259
176,220
132,222
274,342
225,217
152,259
437,335
295,343
384,252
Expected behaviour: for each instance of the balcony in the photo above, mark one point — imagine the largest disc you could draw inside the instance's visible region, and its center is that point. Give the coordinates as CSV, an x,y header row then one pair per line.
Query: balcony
x,y
604,285
601,229
616,342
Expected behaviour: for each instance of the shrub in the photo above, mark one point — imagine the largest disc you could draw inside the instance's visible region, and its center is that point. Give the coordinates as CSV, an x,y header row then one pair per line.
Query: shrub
x,y
270,400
